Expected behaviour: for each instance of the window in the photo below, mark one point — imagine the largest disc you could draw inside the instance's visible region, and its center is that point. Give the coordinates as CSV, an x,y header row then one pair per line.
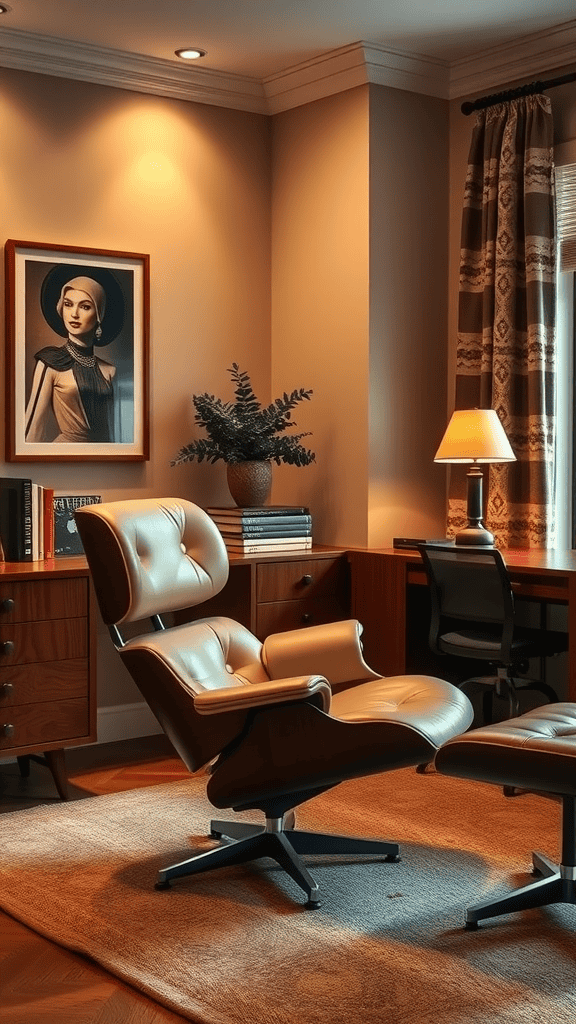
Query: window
x,y
565,462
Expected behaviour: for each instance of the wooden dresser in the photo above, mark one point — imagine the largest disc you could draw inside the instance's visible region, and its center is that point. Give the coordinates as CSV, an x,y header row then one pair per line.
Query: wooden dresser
x,y
47,662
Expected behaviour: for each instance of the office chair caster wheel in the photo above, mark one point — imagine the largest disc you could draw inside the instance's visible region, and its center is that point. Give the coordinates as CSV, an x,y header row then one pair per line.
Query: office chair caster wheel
x,y
392,858
312,905
161,886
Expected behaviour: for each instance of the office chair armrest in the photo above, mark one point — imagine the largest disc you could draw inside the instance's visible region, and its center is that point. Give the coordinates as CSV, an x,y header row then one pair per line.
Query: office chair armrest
x,y
332,649
253,695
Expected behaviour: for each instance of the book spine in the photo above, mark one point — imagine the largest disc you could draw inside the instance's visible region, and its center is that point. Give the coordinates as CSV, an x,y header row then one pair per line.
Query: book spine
x,y
8,523
35,522
48,522
17,519
41,549
273,533
260,513
266,541
261,525
296,542
258,549
27,520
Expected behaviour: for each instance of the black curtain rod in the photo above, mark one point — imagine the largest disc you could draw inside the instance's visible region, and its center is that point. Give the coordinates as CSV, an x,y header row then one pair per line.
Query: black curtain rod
x,y
513,94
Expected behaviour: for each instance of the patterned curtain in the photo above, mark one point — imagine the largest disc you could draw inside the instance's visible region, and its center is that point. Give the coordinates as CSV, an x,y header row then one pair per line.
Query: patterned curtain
x,y
506,316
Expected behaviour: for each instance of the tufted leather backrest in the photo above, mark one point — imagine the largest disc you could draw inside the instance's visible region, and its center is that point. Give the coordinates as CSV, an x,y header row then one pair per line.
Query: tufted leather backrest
x,y
151,555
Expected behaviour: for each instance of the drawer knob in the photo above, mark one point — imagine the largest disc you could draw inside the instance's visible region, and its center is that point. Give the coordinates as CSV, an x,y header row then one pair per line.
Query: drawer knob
x,y
306,580
7,689
7,605
7,730
7,647
306,617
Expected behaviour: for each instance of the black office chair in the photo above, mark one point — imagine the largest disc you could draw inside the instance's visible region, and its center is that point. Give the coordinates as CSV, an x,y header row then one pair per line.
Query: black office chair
x,y
472,616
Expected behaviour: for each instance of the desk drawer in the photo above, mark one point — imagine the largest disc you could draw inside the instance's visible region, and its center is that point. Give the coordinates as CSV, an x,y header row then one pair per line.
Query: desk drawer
x,y
310,578
34,600
42,723
28,642
44,681
278,616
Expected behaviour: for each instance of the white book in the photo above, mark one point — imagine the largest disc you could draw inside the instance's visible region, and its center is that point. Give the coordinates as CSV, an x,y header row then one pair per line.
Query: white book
x,y
266,541
40,518
35,506
254,547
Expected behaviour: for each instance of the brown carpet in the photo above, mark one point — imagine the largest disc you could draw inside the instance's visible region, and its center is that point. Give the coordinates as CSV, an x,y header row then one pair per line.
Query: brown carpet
x,y
236,946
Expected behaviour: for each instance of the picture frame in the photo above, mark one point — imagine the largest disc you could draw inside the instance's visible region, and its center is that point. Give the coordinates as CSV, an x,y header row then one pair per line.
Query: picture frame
x,y
77,354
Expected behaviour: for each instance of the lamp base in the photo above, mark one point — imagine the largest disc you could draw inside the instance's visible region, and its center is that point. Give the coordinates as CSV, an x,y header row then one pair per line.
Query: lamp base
x,y
475,536
475,533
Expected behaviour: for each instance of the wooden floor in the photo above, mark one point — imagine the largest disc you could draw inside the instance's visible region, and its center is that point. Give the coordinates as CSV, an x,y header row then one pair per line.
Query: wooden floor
x,y
41,983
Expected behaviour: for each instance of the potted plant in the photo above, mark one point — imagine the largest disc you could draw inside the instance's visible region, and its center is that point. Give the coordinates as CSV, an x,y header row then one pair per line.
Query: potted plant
x,y
247,437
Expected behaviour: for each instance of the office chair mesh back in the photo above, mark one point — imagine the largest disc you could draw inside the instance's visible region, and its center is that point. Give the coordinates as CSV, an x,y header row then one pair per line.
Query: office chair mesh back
x,y
471,587
472,616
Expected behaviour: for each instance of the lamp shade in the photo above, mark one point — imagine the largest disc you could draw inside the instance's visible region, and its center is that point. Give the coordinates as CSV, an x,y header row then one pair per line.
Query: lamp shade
x,y
475,435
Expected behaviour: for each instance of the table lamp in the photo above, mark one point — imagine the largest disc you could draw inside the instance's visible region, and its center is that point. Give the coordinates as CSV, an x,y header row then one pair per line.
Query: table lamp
x,y
475,436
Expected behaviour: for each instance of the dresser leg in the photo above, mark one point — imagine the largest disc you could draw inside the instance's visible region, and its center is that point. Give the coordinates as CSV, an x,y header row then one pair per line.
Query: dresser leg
x,y
57,765
24,766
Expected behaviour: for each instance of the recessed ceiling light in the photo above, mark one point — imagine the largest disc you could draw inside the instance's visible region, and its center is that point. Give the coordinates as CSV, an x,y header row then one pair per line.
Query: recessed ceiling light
x,y
4,8
190,53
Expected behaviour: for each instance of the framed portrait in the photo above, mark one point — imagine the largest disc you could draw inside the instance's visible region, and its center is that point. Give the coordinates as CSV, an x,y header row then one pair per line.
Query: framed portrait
x,y
77,366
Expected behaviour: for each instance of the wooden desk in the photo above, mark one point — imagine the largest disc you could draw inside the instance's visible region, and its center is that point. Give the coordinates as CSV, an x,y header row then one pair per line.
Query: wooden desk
x,y
47,661
379,596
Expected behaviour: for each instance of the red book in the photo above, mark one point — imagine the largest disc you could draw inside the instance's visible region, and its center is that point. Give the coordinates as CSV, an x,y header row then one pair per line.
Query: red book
x,y
48,522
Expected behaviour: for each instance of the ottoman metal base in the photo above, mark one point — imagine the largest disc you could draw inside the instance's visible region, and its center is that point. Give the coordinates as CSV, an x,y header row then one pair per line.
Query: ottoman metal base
x,y
535,752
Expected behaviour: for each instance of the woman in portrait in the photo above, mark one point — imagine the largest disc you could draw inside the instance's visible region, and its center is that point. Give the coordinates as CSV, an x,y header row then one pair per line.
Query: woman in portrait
x,y
72,384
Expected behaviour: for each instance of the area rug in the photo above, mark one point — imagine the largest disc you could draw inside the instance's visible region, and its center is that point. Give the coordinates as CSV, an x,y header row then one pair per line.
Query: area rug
x,y
236,946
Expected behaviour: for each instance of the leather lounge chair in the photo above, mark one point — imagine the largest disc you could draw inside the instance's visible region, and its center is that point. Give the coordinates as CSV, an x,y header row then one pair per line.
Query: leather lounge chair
x,y
263,716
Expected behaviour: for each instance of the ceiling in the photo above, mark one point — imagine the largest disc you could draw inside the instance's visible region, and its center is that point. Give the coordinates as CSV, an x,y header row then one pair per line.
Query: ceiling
x,y
262,39
259,38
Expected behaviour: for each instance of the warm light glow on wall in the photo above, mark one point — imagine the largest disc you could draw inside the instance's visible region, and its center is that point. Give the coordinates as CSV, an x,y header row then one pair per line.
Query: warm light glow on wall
x,y
156,169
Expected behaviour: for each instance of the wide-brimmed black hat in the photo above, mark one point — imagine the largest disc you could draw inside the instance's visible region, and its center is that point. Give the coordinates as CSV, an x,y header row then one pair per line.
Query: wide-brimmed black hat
x,y
52,286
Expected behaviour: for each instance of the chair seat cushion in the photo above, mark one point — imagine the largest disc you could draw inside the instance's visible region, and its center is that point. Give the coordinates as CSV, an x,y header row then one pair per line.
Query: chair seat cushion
x,y
535,751
432,706
482,642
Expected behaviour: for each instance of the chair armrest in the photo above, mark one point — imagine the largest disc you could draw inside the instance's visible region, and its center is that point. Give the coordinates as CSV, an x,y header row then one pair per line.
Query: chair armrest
x,y
254,695
332,650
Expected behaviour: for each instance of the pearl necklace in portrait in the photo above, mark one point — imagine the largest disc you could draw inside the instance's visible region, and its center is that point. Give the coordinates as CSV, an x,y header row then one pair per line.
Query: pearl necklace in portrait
x,y
89,361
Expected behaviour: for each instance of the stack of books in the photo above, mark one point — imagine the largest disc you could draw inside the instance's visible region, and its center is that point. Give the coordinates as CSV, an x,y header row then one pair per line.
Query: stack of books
x,y
35,524
248,531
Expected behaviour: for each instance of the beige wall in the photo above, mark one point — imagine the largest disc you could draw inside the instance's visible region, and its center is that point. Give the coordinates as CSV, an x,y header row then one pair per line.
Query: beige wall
x,y
359,249
320,295
309,247
189,184
408,313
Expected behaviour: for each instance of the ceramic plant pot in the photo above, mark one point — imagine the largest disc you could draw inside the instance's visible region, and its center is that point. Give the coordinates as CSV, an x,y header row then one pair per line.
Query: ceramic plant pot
x,y
249,482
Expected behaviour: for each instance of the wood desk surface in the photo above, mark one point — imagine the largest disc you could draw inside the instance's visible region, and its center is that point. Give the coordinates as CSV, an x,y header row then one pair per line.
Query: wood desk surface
x,y
544,574
549,560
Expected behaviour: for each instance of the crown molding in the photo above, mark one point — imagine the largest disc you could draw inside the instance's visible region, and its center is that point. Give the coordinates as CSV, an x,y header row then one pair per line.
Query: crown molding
x,y
359,63
529,56
84,62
